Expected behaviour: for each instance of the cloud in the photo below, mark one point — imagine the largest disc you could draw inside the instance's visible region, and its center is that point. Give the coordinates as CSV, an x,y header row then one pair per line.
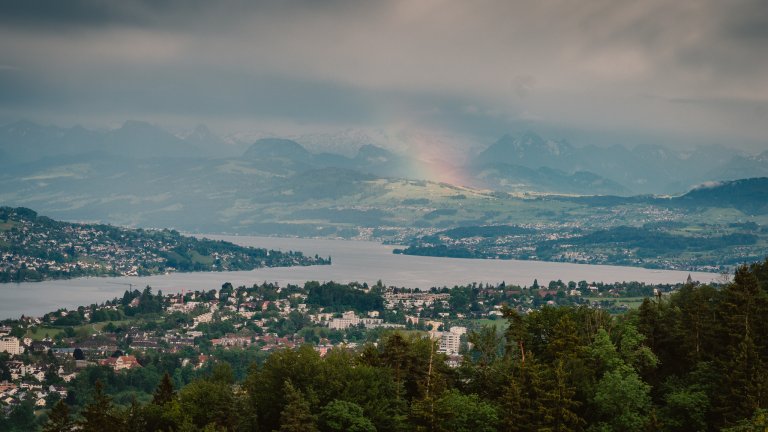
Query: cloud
x,y
587,65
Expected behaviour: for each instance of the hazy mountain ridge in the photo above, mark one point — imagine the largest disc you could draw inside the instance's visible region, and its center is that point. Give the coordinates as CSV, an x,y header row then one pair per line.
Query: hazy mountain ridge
x,y
650,168
527,162
749,196
278,186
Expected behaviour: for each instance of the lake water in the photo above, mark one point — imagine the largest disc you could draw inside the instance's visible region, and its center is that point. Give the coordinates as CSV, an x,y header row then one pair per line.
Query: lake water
x,y
352,261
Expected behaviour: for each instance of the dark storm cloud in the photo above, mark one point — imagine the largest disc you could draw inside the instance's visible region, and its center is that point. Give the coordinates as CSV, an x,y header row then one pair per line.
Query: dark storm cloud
x,y
621,66
63,14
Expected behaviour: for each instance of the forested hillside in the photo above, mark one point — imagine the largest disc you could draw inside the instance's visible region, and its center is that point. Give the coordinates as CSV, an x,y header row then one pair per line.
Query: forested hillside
x,y
35,248
690,361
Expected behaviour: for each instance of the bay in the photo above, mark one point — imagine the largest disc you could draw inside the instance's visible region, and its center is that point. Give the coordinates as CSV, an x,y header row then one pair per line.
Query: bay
x,y
352,261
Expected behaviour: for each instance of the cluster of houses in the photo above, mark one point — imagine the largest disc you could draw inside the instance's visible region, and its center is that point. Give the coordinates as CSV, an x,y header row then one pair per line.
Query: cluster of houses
x,y
256,319
12,394
350,319
28,380
268,342
416,299
93,249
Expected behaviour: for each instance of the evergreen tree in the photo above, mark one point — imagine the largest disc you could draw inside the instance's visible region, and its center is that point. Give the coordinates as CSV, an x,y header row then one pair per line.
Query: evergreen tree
x,y
165,392
516,335
296,415
559,403
133,418
59,419
511,413
98,415
744,383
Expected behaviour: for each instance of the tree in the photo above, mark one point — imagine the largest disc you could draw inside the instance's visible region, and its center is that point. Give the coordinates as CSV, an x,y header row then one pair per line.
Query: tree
x,y
78,354
59,419
485,344
165,392
623,400
744,383
758,422
516,335
205,402
685,410
296,415
559,403
22,418
341,416
523,401
464,413
98,415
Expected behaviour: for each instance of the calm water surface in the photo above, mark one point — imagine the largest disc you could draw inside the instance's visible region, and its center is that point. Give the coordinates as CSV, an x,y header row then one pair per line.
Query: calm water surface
x,y
352,261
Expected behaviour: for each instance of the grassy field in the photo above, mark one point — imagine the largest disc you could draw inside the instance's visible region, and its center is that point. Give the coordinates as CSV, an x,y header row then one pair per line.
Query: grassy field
x,y
40,332
631,302
501,324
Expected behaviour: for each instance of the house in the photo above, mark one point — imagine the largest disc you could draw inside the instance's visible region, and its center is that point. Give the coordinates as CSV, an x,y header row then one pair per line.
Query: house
x,y
41,346
121,362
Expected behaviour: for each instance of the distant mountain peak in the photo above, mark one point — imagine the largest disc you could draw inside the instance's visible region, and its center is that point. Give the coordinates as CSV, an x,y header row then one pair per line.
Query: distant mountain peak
x,y
276,147
528,149
372,153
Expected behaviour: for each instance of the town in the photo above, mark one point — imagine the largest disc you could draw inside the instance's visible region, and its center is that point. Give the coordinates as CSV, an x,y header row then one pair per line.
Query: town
x,y
34,248
45,359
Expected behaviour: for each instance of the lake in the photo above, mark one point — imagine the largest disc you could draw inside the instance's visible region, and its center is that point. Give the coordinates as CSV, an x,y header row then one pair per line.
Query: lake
x,y
352,261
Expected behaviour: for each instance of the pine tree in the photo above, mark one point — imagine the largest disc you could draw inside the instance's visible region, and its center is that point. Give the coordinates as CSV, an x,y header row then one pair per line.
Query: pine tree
x,y
98,415
59,419
512,418
296,415
559,402
744,383
515,335
521,403
165,392
742,308
133,417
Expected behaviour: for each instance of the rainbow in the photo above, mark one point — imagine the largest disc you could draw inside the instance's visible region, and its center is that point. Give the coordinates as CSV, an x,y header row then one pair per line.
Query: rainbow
x,y
431,158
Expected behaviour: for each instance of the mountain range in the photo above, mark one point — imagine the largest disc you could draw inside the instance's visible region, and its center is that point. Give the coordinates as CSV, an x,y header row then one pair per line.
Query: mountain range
x,y
523,163
644,169
142,175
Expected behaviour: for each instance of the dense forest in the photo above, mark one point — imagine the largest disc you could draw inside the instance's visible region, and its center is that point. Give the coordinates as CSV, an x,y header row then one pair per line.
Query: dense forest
x,y
690,361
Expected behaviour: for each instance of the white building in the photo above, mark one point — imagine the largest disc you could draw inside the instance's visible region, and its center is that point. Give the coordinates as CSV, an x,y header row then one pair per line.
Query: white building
x,y
349,319
10,345
450,341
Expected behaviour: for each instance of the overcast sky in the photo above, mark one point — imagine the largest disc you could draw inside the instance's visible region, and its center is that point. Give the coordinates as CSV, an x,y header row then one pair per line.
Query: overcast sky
x,y
681,71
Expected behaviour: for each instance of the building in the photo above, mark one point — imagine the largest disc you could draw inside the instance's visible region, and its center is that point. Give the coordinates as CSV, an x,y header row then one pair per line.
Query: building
x,y
120,363
350,319
450,341
10,345
231,340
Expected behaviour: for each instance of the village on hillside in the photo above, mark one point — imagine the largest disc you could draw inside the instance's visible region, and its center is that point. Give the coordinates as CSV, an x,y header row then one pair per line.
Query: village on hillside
x,y
41,357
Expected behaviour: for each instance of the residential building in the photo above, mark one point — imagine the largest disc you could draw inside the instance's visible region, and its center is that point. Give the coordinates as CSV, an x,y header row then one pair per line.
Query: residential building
x,y
10,345
120,363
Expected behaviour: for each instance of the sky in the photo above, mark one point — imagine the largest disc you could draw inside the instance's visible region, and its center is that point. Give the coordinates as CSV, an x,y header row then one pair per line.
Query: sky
x,y
677,72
